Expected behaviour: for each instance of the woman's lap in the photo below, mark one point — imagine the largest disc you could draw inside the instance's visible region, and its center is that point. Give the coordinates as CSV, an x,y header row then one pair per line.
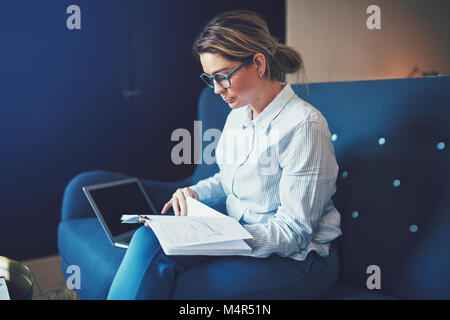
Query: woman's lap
x,y
147,273
274,277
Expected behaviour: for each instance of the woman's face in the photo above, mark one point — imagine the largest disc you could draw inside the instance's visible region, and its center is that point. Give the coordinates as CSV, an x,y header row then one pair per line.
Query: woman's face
x,y
245,82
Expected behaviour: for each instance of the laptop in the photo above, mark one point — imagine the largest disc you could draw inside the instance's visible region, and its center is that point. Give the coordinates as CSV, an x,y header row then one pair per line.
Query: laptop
x,y
113,199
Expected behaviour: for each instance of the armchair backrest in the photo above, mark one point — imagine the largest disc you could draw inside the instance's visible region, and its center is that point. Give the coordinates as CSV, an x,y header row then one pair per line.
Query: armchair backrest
x,y
391,139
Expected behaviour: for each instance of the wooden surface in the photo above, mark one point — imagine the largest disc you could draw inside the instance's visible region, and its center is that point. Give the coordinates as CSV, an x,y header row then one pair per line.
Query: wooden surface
x,y
49,283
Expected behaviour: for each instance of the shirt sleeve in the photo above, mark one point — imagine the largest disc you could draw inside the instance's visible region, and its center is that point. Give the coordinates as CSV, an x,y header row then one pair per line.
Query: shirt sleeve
x,y
309,172
210,190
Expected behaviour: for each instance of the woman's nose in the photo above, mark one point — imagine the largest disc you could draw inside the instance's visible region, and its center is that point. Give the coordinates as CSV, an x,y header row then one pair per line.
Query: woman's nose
x,y
217,88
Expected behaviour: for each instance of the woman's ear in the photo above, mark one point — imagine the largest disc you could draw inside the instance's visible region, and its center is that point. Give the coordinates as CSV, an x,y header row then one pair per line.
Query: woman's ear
x,y
260,61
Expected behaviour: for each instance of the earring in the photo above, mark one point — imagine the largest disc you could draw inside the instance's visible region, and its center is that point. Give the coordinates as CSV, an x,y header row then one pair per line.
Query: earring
x,y
261,76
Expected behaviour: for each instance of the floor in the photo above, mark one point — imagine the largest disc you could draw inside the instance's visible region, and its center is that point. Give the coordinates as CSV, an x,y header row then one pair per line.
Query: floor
x,y
49,283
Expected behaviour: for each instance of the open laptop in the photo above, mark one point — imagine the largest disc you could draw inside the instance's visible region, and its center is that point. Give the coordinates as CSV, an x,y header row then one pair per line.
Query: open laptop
x,y
113,199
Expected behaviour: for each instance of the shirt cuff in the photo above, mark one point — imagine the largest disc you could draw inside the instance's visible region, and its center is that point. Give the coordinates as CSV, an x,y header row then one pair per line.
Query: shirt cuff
x,y
201,194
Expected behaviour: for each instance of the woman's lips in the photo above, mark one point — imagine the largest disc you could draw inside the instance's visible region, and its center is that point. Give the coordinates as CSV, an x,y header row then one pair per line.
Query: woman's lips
x,y
229,100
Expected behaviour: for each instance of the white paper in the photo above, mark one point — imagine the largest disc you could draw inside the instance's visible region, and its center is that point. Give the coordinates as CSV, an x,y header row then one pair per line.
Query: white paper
x,y
197,209
212,249
203,230
187,231
4,294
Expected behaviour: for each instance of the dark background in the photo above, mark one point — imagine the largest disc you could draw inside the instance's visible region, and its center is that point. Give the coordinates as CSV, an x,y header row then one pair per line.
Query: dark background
x,y
64,104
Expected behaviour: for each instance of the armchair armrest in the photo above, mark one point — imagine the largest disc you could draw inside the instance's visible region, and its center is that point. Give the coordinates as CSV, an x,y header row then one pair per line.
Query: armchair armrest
x,y
75,205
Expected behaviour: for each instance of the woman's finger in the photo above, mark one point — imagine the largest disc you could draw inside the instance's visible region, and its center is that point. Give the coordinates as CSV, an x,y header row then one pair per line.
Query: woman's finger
x,y
178,201
187,193
175,206
166,206
182,202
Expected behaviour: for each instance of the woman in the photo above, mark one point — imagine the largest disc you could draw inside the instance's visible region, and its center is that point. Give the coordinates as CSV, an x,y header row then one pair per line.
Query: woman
x,y
285,203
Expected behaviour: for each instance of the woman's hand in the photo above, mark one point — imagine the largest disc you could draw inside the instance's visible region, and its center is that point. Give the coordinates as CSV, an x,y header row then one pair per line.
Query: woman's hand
x,y
178,201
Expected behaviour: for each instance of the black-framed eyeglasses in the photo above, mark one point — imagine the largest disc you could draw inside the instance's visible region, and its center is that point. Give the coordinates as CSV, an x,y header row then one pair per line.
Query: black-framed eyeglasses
x,y
223,79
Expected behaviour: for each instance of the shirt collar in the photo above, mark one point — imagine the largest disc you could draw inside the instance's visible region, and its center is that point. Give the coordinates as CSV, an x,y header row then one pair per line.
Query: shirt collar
x,y
269,113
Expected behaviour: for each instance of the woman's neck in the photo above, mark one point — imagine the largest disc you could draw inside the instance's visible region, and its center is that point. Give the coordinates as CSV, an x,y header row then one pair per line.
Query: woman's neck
x,y
268,94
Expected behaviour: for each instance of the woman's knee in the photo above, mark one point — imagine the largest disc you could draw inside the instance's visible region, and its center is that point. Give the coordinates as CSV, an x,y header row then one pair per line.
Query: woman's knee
x,y
144,234
144,239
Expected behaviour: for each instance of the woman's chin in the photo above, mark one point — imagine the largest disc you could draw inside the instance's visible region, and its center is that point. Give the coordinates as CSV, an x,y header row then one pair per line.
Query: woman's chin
x,y
236,105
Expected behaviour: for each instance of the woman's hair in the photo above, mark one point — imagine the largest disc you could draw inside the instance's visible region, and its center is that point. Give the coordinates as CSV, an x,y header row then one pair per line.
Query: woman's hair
x,y
239,34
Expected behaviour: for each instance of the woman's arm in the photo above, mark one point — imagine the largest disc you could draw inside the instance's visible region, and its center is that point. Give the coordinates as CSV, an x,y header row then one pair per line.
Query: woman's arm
x,y
308,178
210,190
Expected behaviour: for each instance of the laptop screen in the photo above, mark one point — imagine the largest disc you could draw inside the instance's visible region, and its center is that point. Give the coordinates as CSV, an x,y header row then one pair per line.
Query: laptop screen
x,y
114,201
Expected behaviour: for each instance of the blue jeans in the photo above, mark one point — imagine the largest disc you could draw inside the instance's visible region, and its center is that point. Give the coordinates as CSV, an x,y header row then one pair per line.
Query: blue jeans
x,y
147,273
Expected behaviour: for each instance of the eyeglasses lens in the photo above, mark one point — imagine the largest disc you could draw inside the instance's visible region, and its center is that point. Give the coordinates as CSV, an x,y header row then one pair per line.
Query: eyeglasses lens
x,y
221,80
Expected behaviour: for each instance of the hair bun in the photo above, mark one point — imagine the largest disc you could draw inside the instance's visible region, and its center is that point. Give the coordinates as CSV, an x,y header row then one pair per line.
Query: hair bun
x,y
236,35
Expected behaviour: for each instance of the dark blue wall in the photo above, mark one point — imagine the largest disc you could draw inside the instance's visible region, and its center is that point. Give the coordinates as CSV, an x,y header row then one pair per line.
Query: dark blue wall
x,y
63,109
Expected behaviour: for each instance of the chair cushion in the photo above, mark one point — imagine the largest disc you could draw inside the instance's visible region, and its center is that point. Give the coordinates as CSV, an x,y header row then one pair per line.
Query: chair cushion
x,y
83,242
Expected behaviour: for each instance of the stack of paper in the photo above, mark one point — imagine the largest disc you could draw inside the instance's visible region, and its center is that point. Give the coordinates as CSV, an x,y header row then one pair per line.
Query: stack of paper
x,y
204,231
4,294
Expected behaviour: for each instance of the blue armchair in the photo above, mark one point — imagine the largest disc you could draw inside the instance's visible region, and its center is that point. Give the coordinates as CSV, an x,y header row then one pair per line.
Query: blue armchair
x,y
393,191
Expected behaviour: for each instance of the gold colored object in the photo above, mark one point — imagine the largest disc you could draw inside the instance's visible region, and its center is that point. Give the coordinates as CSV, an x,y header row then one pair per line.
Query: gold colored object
x,y
19,279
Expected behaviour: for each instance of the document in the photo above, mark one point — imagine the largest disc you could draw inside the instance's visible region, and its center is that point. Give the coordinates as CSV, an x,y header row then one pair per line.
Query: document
x,y
204,231
4,294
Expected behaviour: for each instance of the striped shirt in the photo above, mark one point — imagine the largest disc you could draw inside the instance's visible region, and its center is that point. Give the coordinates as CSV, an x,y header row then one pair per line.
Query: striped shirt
x,y
277,174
